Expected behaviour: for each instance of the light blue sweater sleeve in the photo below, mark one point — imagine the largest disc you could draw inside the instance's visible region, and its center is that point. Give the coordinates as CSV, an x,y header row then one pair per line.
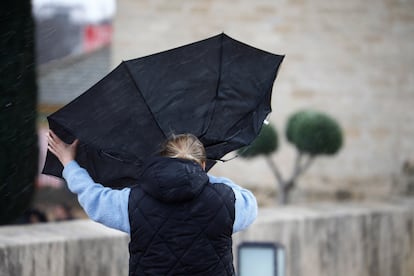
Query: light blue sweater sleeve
x,y
101,204
245,206
110,207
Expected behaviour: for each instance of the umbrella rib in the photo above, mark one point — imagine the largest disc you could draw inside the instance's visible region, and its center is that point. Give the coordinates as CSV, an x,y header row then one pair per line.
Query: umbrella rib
x,y
143,98
213,105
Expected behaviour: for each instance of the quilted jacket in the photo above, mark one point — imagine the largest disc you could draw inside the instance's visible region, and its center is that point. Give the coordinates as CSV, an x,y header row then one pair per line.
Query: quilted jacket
x,y
180,223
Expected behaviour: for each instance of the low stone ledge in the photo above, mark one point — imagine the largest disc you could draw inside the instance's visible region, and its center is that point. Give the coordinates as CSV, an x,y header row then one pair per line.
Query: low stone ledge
x,y
364,239
79,247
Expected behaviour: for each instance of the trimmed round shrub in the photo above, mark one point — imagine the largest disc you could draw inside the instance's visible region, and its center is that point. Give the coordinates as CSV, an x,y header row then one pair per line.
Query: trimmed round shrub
x,y
314,132
265,143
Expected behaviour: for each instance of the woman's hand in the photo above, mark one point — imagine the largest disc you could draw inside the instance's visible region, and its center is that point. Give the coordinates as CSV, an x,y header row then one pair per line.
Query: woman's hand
x,y
64,152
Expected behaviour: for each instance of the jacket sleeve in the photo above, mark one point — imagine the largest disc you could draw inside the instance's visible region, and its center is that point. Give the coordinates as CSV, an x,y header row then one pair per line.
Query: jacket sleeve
x,y
101,204
245,206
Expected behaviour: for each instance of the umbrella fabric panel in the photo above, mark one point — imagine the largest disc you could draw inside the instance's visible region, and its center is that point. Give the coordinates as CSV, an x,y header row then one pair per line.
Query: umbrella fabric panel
x,y
244,96
109,116
107,127
179,85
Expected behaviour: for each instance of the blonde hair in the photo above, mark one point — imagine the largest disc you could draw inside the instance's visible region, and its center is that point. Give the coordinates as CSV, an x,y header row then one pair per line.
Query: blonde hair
x,y
185,146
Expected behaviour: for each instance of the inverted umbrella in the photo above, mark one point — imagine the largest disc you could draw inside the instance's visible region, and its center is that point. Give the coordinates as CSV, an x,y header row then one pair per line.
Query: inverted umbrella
x,y
218,89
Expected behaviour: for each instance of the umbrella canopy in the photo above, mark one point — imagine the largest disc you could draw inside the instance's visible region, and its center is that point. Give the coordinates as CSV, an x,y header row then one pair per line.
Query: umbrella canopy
x,y
218,89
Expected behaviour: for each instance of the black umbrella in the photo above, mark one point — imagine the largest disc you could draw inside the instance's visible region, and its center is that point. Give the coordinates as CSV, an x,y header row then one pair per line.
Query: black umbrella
x,y
218,89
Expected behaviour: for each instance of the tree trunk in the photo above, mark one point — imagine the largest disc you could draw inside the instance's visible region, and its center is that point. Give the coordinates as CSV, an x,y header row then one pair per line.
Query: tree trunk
x,y
18,137
282,191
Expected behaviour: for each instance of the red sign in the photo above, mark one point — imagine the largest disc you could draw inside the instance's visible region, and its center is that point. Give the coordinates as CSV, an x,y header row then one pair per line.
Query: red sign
x,y
96,36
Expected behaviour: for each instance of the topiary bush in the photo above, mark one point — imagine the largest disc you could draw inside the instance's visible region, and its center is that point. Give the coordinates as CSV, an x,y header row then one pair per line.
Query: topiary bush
x,y
265,143
313,133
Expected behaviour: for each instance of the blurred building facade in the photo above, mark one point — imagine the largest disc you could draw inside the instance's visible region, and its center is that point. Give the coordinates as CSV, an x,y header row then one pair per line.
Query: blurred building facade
x,y
73,51
73,41
351,59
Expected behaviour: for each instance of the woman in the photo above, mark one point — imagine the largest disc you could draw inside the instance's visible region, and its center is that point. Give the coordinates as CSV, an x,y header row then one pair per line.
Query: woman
x,y
180,219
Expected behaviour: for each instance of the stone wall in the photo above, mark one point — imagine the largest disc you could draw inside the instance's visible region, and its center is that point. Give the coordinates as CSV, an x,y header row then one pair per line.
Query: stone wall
x,y
320,240
351,59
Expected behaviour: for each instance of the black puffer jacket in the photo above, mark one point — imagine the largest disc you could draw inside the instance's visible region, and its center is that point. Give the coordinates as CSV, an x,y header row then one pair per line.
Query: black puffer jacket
x,y
180,223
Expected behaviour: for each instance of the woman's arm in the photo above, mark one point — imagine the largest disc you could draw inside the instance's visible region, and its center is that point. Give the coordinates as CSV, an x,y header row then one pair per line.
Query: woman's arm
x,y
245,206
101,204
